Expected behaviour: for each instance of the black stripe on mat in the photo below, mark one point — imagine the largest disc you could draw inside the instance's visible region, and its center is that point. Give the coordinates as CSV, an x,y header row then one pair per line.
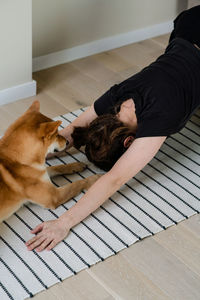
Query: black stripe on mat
x,y
175,171
189,138
174,194
163,199
141,209
174,181
122,208
16,277
6,291
178,162
196,115
108,229
121,223
194,123
159,209
23,261
173,138
179,174
191,130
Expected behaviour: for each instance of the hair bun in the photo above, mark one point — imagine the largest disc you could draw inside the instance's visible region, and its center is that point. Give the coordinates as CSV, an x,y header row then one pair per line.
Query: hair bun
x,y
79,136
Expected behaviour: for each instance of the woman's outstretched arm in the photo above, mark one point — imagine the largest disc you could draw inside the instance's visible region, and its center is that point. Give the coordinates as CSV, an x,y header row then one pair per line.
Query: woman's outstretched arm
x,y
141,151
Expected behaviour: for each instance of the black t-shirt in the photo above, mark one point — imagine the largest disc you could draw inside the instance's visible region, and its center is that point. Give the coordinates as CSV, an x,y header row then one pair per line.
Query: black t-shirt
x,y
166,93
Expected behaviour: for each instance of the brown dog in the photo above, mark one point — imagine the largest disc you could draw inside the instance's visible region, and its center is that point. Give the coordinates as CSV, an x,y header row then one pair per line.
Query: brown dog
x,y
23,175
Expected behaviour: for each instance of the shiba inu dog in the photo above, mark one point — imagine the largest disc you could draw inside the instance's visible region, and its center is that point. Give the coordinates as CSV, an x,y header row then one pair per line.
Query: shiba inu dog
x,y
23,174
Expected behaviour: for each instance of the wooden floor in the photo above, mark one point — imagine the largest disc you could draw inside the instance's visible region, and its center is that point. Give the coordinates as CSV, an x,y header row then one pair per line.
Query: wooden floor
x,y
166,266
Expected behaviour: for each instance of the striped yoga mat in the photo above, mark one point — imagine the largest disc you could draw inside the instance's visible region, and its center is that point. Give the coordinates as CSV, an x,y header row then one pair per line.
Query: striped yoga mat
x,y
165,192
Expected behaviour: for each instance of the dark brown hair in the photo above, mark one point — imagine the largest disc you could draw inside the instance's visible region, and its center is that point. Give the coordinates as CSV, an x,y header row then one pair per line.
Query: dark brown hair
x,y
103,139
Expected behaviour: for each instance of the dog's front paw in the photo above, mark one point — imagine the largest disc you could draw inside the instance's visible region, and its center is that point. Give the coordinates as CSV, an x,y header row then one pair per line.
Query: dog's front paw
x,y
78,167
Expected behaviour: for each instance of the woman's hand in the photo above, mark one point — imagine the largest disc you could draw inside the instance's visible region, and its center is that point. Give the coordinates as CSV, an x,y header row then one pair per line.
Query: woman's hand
x,y
48,235
82,120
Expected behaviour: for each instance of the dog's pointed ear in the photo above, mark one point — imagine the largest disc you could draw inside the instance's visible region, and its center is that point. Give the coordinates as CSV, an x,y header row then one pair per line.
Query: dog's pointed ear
x,y
35,106
47,129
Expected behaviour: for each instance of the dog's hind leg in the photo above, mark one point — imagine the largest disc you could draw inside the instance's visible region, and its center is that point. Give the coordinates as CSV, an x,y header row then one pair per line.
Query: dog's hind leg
x,y
65,169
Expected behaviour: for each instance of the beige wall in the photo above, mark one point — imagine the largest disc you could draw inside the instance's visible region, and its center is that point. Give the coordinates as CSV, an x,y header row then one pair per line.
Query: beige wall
x,y
16,42
63,24
192,3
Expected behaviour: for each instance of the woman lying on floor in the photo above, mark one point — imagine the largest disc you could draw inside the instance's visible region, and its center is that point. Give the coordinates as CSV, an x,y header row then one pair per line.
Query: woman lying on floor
x,y
126,126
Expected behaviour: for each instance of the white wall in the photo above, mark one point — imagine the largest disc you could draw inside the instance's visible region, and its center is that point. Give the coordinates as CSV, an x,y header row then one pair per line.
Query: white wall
x,y
15,48
63,24
192,3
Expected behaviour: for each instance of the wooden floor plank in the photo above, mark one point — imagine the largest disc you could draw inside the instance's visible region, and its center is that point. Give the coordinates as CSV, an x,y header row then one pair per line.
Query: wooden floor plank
x,y
137,55
5,119
123,281
162,39
182,243
193,224
48,106
79,287
164,269
112,61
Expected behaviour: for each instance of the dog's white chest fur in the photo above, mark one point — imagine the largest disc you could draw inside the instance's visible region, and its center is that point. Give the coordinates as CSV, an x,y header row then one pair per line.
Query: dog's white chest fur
x,y
45,176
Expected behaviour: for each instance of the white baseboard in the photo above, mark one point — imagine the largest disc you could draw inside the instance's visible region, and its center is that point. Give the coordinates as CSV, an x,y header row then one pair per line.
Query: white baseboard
x,y
67,55
18,92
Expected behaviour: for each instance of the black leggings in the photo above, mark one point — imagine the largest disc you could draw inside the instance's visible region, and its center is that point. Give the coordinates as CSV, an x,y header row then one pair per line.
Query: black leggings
x,y
187,26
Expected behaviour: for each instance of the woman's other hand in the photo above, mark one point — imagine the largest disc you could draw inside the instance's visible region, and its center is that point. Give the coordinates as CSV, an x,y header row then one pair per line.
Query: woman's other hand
x,y
48,235
82,120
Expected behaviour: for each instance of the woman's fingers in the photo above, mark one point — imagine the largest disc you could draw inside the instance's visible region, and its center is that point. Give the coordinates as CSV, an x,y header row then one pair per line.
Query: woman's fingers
x,y
43,245
35,242
28,243
52,245
38,228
